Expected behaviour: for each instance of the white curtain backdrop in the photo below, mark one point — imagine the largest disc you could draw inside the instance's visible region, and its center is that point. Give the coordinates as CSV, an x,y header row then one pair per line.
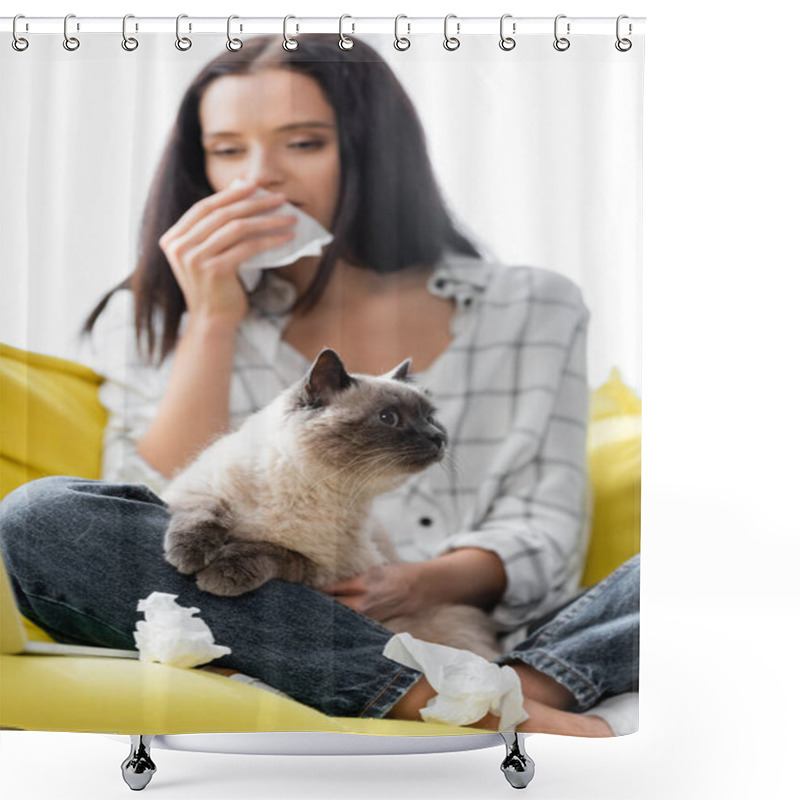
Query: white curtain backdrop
x,y
538,153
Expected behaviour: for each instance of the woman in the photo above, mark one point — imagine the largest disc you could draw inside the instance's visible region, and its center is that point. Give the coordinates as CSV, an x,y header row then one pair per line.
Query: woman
x,y
187,353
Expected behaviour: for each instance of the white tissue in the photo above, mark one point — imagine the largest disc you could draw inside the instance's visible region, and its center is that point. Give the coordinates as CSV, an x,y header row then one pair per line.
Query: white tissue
x,y
309,239
469,687
171,634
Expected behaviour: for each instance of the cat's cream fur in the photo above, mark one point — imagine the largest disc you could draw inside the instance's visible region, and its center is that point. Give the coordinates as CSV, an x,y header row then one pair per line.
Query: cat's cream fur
x,y
288,494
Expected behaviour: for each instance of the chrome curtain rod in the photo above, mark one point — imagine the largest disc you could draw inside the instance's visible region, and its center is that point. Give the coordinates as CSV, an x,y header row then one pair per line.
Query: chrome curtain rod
x,y
459,26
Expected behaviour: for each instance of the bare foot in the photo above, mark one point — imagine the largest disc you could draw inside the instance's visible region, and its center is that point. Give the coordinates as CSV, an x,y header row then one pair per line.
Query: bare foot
x,y
544,719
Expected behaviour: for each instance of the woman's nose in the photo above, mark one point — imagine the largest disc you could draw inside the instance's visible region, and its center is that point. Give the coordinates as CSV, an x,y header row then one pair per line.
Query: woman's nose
x,y
267,171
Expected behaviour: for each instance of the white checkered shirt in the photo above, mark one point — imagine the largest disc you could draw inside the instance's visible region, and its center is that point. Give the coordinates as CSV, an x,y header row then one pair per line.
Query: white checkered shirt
x,y
511,389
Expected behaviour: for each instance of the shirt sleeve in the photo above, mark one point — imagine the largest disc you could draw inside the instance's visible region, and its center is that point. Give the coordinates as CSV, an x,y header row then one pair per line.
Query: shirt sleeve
x,y
131,391
537,513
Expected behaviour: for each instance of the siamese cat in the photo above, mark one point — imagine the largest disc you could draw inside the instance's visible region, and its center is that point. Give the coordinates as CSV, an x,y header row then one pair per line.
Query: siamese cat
x,y
288,494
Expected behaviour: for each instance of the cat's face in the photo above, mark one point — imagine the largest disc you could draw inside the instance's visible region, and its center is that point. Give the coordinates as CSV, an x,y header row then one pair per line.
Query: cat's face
x,y
379,429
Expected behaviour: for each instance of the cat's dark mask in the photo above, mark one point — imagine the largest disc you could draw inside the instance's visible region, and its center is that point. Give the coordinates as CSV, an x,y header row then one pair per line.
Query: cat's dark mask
x,y
328,376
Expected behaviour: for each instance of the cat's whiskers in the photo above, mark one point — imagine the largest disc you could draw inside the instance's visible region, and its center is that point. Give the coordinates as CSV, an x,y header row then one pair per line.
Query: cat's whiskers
x,y
357,463
357,492
450,464
362,477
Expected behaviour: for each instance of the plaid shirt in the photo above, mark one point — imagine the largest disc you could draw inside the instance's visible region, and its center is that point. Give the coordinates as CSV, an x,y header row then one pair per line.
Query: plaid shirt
x,y
511,390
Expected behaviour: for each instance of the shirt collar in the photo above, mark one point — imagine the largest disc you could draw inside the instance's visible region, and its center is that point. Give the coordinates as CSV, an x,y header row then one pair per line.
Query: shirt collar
x,y
460,277
455,275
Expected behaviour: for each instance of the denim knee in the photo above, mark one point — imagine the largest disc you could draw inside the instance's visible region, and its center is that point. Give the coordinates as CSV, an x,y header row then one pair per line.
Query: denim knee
x,y
43,519
20,508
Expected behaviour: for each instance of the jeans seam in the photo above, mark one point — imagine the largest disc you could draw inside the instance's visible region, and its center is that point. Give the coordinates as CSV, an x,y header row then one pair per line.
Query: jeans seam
x,y
380,694
78,611
585,692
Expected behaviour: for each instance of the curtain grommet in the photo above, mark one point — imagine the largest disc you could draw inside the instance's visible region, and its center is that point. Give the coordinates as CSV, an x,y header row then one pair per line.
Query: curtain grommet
x,y
451,43
233,44
19,43
129,43
71,43
401,43
183,43
345,42
289,42
561,43
506,42
623,44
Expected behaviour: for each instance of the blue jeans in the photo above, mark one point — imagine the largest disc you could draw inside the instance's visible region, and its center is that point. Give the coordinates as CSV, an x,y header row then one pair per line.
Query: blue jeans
x,y
81,554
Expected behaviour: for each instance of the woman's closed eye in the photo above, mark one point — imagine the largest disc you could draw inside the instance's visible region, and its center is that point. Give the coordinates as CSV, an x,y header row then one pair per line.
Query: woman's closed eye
x,y
229,152
307,144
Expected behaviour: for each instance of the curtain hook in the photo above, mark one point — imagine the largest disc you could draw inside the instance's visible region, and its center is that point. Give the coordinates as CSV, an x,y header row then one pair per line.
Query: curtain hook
x,y
289,42
401,43
182,42
451,42
506,42
561,43
623,45
345,42
18,42
233,44
129,43
70,42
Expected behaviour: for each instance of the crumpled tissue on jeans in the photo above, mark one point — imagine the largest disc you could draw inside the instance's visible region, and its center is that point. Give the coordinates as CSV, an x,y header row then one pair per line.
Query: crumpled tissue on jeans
x,y
469,687
171,634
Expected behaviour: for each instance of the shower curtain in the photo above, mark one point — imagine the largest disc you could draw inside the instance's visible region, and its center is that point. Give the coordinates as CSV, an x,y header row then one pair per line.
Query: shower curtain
x,y
534,135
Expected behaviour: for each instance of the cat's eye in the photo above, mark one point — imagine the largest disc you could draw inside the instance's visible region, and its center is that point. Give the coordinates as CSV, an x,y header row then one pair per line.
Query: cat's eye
x,y
389,417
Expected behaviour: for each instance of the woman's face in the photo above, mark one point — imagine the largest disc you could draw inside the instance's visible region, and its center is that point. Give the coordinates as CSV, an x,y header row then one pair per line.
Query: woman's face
x,y
277,128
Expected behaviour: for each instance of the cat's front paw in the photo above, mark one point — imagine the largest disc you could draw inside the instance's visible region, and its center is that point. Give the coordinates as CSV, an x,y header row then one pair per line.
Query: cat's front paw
x,y
239,567
189,546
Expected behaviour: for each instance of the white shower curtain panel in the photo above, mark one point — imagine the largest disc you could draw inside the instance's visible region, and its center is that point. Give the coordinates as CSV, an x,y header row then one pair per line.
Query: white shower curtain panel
x,y
538,153
536,150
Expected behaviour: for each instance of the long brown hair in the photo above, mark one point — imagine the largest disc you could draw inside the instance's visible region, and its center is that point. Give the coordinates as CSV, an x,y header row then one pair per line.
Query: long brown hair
x,y
390,214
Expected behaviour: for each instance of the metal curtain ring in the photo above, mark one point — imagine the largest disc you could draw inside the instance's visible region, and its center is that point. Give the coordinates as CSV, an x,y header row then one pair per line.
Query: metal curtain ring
x,y
18,42
182,42
561,43
451,42
345,42
401,42
233,44
289,42
506,42
70,42
623,45
129,43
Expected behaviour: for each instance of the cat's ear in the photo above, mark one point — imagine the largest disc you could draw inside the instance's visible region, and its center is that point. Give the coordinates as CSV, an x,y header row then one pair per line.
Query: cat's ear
x,y
400,373
326,377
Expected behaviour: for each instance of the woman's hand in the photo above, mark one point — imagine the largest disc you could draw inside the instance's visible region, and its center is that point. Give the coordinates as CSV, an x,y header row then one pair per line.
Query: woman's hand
x,y
207,244
382,592
468,575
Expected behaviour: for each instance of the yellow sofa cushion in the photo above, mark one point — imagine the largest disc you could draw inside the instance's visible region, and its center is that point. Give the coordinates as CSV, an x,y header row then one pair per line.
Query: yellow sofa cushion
x,y
110,695
51,422
614,445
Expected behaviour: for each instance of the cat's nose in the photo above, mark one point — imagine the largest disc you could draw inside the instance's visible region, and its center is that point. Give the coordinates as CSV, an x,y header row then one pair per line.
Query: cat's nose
x,y
438,439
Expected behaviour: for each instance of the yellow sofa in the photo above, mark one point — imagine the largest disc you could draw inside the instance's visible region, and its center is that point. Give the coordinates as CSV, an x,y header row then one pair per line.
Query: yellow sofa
x,y
51,422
